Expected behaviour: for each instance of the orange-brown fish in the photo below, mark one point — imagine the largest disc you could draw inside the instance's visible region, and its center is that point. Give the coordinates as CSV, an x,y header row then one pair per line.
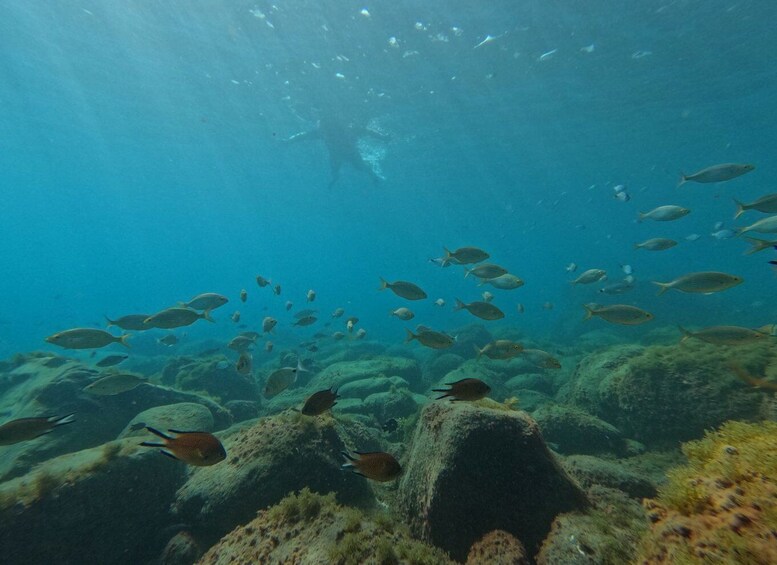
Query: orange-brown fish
x,y
194,448
24,429
746,377
375,465
465,389
319,402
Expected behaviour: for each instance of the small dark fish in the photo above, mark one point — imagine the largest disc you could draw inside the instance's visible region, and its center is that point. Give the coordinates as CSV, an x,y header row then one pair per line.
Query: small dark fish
x,y
465,389
306,321
376,465
244,363
261,281
25,429
137,426
276,290
243,295
194,448
390,426
312,348
305,313
289,305
112,360
169,340
319,402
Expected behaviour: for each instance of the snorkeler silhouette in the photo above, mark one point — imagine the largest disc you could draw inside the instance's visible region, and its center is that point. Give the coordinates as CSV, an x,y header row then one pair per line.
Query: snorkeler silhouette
x,y
342,143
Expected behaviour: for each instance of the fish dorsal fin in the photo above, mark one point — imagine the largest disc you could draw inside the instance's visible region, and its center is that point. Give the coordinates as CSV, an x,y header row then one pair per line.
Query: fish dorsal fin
x,y
188,432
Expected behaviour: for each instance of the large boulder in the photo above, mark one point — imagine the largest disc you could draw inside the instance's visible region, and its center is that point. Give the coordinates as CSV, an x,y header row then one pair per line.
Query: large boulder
x,y
573,430
588,471
265,462
313,529
472,470
215,375
338,374
660,395
607,533
90,505
184,416
498,548
43,384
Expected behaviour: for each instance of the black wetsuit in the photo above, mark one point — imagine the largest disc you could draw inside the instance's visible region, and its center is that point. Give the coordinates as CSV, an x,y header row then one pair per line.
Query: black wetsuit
x,y
342,143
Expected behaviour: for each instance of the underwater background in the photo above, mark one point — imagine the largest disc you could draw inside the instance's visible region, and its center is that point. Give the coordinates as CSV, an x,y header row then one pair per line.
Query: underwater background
x,y
148,155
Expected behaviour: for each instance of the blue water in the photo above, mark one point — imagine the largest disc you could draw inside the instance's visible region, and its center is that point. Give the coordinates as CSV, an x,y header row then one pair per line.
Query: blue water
x,y
141,159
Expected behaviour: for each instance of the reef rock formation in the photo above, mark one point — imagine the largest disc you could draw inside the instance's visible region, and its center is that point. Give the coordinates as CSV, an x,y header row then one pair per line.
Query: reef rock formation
x,y
93,505
573,430
265,462
497,548
663,394
185,416
43,384
473,470
722,506
313,529
588,471
607,533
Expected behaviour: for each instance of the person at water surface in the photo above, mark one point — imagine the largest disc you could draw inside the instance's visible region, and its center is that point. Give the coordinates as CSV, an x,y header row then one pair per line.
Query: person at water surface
x,y
341,139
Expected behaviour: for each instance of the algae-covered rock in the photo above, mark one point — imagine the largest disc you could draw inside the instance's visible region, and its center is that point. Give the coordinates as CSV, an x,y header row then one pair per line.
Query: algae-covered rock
x,y
313,529
530,400
532,381
720,507
92,505
182,549
185,416
607,533
663,394
472,470
498,548
266,461
588,470
365,387
45,385
391,404
338,374
218,378
440,365
573,430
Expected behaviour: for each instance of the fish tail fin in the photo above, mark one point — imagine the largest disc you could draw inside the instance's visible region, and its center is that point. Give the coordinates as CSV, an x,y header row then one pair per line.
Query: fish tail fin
x,y
458,306
663,287
62,420
383,284
151,444
641,216
478,351
206,315
300,367
110,322
589,312
158,433
686,333
757,245
742,374
448,254
683,179
637,246
740,208
123,339
467,272
443,396
348,461
410,336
